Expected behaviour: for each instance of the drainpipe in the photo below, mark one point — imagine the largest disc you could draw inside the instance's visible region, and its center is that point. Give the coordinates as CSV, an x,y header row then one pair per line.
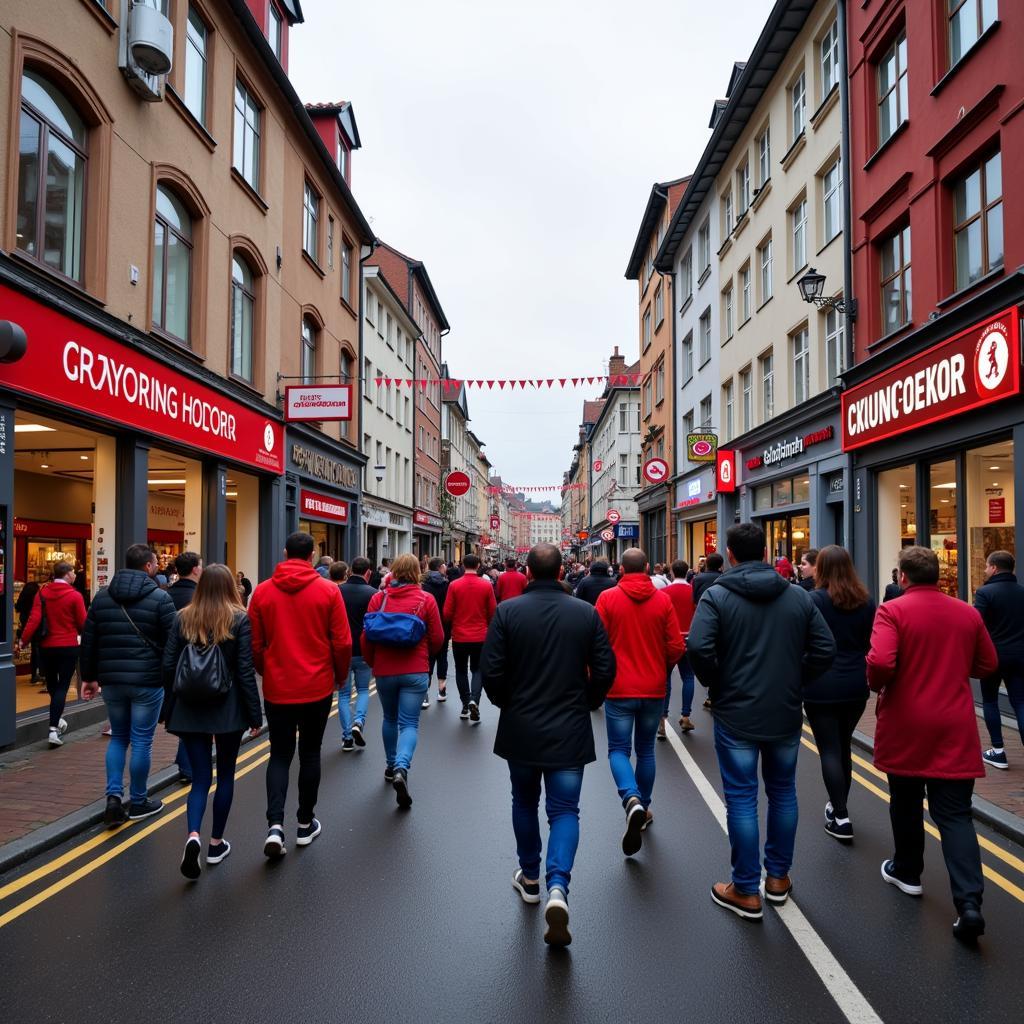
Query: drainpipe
x,y
844,154
357,525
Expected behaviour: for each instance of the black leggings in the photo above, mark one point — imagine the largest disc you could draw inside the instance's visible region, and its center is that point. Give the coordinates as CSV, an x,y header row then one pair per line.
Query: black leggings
x,y
200,755
58,665
833,725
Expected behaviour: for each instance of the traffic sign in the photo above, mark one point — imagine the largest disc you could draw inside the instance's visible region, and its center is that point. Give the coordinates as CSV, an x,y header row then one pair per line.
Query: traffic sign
x,y
655,470
598,465
614,516
457,484
608,535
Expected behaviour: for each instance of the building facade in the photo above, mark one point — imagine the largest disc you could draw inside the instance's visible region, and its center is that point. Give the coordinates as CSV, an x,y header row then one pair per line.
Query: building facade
x,y
456,457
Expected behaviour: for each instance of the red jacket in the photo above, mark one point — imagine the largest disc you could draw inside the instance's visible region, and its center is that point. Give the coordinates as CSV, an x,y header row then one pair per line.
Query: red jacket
x,y
400,661
301,641
469,608
65,615
645,636
924,649
511,583
681,596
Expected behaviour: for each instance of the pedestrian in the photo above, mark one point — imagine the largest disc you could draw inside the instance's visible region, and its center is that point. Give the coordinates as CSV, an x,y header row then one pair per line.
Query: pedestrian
x,y
647,641
784,568
81,584
546,665
302,647
708,576
702,564
468,611
598,580
756,641
807,563
893,589
925,648
323,566
680,593
356,593
211,700
385,573
511,583
401,630
122,651
1000,600
659,577
57,617
23,606
435,582
189,567
245,585
835,701
338,573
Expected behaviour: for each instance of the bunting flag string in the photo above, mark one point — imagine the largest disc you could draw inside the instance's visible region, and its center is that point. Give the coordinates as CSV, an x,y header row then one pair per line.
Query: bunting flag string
x,y
449,384
510,489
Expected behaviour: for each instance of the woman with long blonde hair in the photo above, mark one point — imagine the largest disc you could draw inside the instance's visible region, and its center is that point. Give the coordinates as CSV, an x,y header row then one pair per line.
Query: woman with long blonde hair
x,y
210,701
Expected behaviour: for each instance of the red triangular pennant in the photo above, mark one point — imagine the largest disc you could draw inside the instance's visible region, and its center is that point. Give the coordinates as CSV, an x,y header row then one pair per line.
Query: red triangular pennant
x,y
490,385
635,378
501,384
423,385
562,380
523,384
379,380
576,381
551,382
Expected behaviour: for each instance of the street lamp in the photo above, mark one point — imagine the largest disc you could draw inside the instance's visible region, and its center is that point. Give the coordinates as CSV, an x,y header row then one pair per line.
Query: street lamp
x,y
811,286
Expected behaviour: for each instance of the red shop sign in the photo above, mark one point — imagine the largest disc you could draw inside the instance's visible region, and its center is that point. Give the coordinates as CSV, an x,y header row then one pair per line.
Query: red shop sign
x,y
973,368
73,365
997,510
321,506
726,482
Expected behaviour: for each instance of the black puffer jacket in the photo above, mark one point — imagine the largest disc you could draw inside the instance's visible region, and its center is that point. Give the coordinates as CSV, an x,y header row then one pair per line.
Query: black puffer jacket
x,y
847,679
113,652
1001,603
594,584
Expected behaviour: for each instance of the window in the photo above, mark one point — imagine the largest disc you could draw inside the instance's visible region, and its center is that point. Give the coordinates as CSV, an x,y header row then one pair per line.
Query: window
x,y
727,401
346,270
330,243
727,307
830,59
743,188
623,470
688,423
705,336
308,353
727,214
172,265
686,276
659,383
246,154
367,377
51,177
801,356
623,419
747,392
896,292
767,365
389,333
832,182
798,217
688,357
745,293
341,158
647,329
705,412
798,105
978,221
967,20
893,105
196,42
310,216
834,344
648,403
764,157
765,257
243,315
704,246
275,31
659,305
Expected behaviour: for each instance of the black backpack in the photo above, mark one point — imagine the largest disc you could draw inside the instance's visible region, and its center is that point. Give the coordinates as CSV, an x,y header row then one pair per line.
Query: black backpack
x,y
201,676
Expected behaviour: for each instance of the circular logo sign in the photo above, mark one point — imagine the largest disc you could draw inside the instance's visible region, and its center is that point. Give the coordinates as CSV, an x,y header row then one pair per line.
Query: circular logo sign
x,y
991,359
607,535
701,448
614,516
598,465
457,484
268,437
655,470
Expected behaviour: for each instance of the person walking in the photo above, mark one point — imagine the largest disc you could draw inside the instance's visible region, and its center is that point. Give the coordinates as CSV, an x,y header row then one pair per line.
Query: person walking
x,y
23,607
435,582
123,641
189,567
835,701
246,587
596,582
468,611
708,576
925,648
356,593
647,641
546,664
680,593
1000,600
807,563
401,631
211,699
57,617
756,641
511,583
323,566
302,647
893,589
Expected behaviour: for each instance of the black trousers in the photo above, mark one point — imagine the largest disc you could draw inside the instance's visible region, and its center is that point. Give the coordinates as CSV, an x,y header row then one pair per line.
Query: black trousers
x,y
467,660
439,662
58,665
283,722
949,803
833,725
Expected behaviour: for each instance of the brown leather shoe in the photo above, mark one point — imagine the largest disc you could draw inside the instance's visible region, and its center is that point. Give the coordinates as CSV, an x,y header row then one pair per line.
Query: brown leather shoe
x,y
685,725
777,890
747,905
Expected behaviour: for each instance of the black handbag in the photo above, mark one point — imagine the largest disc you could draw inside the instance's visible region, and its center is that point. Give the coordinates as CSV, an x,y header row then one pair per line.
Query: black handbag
x,y
201,675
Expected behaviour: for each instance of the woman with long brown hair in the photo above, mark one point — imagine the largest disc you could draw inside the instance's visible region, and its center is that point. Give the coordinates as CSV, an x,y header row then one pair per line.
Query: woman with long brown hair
x,y
211,701
835,701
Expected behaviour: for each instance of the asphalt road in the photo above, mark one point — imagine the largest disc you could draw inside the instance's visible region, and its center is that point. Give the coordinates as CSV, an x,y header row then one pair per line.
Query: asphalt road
x,y
393,916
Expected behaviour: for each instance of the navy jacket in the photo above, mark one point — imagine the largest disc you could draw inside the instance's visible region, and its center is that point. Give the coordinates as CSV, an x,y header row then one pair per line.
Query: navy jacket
x,y
182,591
356,594
701,582
593,585
1001,603
847,679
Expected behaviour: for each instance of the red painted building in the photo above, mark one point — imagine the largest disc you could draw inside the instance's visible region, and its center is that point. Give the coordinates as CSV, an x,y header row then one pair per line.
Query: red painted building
x,y
932,414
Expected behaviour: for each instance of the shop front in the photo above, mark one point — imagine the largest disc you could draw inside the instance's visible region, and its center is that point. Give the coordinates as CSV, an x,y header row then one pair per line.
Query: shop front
x,y
426,533
696,515
655,538
386,532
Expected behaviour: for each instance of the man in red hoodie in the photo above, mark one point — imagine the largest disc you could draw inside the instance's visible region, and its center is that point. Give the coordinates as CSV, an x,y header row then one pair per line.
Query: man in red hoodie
x,y
468,611
511,583
302,647
647,641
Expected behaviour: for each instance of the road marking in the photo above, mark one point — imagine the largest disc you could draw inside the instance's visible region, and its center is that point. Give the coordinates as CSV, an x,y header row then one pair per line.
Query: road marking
x,y
838,984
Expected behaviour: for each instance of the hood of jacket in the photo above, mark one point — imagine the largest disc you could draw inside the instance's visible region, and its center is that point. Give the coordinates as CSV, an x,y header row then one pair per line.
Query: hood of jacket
x,y
756,581
131,585
637,586
437,578
54,592
294,574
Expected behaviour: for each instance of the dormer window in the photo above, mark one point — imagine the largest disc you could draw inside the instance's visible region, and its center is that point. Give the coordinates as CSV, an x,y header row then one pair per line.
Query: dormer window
x,y
342,159
275,31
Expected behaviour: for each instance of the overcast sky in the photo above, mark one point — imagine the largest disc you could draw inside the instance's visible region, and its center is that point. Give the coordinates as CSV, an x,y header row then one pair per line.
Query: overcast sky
x,y
512,148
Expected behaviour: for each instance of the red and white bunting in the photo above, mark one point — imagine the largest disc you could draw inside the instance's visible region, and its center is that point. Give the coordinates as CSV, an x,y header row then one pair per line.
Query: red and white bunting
x,y
618,380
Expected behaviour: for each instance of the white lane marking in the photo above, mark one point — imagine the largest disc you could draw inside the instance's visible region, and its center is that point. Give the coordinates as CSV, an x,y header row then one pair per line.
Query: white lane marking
x,y
839,985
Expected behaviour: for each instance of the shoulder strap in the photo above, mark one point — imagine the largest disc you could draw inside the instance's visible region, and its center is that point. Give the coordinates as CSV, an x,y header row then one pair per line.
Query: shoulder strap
x,y
142,636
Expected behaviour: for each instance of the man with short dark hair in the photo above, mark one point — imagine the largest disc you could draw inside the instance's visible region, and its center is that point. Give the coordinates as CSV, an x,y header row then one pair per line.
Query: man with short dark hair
x,y
808,560
511,583
925,648
436,584
598,580
546,664
468,611
338,572
355,593
708,577
755,640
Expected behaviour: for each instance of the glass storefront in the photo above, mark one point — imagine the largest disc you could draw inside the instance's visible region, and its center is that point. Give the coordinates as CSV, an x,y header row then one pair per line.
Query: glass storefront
x,y
329,537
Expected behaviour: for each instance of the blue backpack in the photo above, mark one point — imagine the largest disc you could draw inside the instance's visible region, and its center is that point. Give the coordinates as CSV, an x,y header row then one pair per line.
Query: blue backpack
x,y
395,629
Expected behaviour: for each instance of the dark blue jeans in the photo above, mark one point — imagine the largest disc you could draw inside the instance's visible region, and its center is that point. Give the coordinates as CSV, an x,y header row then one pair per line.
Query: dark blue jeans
x,y
1013,676
133,712
630,722
439,662
562,802
737,760
200,754
686,674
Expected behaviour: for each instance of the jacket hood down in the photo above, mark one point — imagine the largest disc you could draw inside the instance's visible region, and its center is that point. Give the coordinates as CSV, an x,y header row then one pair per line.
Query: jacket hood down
x,y
437,578
131,585
637,586
294,574
756,581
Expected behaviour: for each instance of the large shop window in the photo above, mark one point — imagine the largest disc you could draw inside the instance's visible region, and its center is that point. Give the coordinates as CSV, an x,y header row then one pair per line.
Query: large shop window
x,y
989,499
897,517
942,523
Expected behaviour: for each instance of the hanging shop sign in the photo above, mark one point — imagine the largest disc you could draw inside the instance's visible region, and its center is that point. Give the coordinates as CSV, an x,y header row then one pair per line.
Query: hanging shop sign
x,y
457,484
790,448
614,516
726,471
322,506
607,535
426,519
495,523
318,402
973,368
655,471
627,532
701,447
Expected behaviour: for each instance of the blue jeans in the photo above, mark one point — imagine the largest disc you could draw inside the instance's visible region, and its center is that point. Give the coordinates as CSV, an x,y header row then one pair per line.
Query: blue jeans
x,y
686,674
633,721
737,760
200,754
400,701
133,712
361,671
562,803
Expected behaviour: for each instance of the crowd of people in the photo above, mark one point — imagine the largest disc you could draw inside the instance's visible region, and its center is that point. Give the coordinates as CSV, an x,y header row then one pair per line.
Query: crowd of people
x,y
550,644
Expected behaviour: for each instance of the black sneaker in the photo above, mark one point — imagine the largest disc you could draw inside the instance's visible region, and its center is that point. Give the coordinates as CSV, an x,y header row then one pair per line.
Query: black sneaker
x,y
115,814
970,924
464,713
136,812
401,785
442,694
190,866
389,775
911,886
841,830
474,713
556,917
274,848
830,815
530,891
636,817
347,746
305,834
215,854
357,734
996,758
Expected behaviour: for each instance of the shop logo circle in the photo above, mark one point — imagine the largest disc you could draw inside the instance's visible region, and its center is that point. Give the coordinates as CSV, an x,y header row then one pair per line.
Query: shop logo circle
x,y
268,437
991,359
701,448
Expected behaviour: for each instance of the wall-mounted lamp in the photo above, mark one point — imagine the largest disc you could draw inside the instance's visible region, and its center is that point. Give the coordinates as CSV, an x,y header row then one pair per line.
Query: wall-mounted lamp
x,y
811,286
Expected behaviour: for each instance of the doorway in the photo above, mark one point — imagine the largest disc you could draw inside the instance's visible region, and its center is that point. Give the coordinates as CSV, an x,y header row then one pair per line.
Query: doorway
x,y
787,537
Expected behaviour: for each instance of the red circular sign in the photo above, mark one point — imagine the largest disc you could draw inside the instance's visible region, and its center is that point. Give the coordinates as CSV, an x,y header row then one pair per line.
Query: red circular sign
x,y
655,470
701,448
457,484
614,516
607,535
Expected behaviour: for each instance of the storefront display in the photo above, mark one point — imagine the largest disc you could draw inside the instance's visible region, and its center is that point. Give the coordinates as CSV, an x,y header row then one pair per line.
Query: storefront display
x,y
696,515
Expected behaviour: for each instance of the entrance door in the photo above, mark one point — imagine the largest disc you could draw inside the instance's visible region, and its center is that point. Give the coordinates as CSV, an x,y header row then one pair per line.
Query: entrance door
x,y
787,537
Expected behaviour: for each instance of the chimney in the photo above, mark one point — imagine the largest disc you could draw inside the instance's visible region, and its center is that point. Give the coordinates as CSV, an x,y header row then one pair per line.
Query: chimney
x,y
617,364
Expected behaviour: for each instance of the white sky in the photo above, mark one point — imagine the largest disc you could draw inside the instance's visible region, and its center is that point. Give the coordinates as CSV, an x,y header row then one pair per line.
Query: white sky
x,y
512,148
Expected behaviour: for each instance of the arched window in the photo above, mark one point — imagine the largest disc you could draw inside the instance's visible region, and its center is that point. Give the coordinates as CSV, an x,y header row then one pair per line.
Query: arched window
x,y
172,265
52,157
243,315
308,354
345,367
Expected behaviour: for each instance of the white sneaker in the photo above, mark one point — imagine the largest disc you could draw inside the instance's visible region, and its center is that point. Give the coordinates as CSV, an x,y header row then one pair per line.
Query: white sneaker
x,y
54,739
426,702
63,726
556,917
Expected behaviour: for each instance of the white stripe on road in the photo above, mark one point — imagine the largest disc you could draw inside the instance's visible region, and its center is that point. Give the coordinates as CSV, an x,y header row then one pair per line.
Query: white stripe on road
x,y
839,985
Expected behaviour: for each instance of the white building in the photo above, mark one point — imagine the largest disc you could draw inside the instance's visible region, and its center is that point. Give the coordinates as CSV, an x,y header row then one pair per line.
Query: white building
x,y
458,455
615,472
545,528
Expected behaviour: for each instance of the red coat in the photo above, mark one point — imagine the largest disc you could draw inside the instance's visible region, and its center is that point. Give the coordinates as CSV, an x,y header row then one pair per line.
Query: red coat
x,y
924,649
65,616
645,636
301,641
469,608
400,661
681,596
511,583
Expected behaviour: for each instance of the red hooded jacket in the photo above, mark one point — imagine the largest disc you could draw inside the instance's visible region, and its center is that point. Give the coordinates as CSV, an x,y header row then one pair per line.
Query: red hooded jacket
x,y
645,636
681,596
301,641
411,599
469,608
924,649
511,583
65,616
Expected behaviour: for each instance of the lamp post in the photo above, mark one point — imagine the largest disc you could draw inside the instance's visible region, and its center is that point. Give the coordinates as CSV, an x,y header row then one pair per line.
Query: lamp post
x,y
811,286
